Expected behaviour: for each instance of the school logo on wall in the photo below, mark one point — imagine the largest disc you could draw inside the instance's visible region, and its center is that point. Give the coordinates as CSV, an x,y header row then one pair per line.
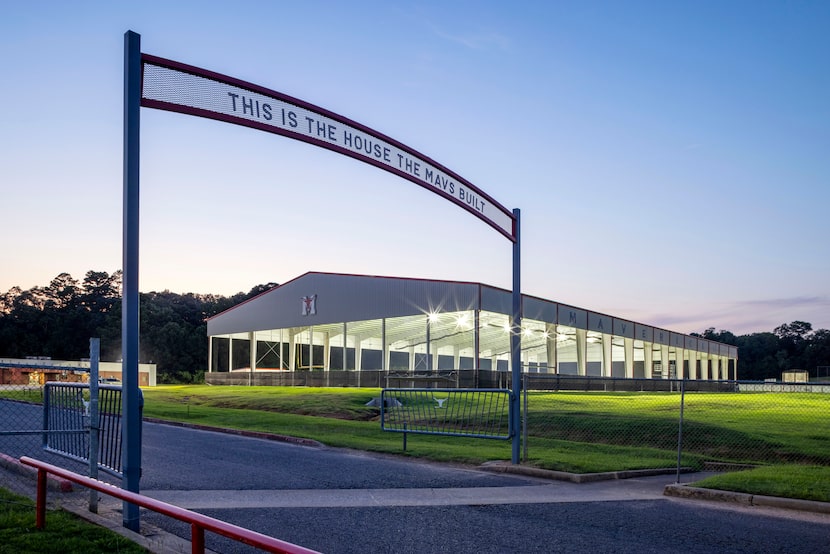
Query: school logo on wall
x,y
309,305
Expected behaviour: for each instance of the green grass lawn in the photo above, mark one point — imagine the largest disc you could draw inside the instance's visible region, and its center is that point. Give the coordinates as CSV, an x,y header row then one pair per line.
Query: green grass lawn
x,y
338,417
333,416
759,428
64,532
569,431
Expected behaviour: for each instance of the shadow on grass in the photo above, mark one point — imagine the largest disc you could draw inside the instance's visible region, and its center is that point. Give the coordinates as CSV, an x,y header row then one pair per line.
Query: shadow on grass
x,y
706,440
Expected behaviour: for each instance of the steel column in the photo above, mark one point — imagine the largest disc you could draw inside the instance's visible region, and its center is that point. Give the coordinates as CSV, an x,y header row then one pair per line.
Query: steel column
x,y
515,340
131,460
94,418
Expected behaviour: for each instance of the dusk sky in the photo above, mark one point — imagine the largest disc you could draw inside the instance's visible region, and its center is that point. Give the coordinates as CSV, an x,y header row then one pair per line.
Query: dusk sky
x,y
671,160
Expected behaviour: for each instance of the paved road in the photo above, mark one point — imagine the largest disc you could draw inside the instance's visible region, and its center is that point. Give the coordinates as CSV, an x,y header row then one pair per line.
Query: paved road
x,y
342,502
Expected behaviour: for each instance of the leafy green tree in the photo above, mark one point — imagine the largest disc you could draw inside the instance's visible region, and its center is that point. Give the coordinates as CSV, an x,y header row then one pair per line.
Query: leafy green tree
x,y
757,356
817,352
62,292
794,338
725,337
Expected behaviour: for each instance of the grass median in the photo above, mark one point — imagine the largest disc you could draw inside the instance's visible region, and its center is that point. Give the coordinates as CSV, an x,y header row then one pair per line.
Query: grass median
x,y
786,481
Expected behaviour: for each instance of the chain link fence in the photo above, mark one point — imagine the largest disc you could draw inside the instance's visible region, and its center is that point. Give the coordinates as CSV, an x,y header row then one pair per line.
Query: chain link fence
x,y
21,434
585,424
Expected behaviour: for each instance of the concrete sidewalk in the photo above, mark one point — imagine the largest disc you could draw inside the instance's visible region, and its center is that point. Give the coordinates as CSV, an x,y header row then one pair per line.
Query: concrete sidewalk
x,y
649,488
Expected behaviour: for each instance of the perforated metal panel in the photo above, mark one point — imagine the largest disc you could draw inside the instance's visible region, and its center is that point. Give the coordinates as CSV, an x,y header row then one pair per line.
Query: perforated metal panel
x,y
481,413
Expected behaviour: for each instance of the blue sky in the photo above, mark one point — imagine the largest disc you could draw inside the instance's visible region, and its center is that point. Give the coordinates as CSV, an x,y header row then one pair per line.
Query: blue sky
x,y
670,158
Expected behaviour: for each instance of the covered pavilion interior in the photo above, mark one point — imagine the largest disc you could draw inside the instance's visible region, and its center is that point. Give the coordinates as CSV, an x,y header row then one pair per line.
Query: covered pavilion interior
x,y
555,339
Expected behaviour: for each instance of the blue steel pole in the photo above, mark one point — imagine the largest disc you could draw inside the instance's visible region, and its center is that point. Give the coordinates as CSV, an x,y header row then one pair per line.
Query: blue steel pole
x,y
131,429
515,339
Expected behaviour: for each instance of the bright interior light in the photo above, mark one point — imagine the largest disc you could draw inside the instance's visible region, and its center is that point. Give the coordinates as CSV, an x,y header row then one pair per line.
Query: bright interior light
x,y
433,317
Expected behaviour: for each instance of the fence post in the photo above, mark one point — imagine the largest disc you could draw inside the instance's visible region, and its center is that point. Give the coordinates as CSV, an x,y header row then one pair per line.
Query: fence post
x,y
197,538
40,517
94,419
680,426
524,417
47,400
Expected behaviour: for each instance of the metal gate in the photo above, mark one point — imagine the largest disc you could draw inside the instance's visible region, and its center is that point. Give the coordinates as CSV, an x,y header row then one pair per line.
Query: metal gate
x,y
69,424
480,413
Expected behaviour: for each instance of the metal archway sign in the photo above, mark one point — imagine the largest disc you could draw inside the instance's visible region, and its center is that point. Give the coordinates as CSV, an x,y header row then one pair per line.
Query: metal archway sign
x,y
154,82
173,86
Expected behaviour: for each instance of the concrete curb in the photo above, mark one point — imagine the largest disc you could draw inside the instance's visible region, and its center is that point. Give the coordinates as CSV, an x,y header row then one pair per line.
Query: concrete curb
x,y
152,538
239,432
744,499
507,467
52,482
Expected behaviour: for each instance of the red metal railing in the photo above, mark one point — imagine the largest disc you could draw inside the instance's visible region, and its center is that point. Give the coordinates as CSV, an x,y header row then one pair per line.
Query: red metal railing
x,y
198,523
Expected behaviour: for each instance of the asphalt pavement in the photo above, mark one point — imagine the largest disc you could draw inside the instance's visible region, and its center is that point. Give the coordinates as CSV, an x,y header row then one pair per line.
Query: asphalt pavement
x,y
341,501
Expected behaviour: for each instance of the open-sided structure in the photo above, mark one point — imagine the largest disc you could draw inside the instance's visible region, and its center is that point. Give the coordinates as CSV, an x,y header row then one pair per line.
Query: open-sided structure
x,y
336,329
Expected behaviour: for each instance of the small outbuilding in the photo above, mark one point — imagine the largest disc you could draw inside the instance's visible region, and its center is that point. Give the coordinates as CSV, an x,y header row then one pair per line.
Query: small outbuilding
x,y
38,371
795,376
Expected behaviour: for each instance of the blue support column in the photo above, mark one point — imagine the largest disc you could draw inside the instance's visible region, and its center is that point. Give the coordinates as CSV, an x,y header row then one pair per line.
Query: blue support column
x,y
131,413
515,340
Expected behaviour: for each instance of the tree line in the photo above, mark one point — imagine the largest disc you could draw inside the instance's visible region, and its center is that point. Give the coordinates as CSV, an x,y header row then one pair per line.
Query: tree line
x,y
789,346
57,321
